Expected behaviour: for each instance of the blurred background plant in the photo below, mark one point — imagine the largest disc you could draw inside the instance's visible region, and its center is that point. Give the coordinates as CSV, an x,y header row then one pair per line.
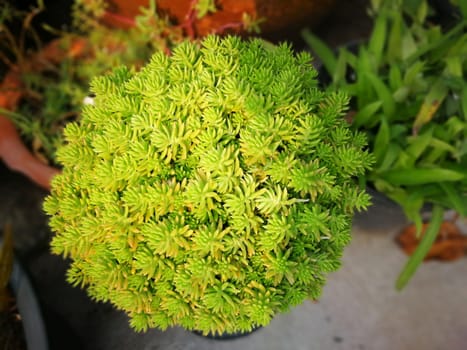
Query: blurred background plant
x,y
17,34
53,94
409,94
53,90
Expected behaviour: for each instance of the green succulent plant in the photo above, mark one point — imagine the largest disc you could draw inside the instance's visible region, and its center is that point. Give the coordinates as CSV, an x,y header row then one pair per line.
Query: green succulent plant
x,y
212,189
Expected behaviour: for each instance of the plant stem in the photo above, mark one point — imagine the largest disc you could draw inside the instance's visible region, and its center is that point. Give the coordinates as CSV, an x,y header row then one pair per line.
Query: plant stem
x,y
423,247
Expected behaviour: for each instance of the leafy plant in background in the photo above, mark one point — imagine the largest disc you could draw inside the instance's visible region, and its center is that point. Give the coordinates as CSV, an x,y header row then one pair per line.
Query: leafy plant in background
x,y
13,44
409,94
212,189
54,95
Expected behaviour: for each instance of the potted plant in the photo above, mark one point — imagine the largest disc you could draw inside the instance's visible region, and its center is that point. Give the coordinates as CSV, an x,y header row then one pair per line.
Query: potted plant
x,y
18,295
212,189
12,150
45,86
43,90
409,96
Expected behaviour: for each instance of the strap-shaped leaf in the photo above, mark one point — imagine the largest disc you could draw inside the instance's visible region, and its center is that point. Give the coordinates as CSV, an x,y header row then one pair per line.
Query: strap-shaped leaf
x,y
421,176
431,103
437,47
464,102
454,65
422,249
394,49
412,206
382,140
456,198
463,7
419,143
340,70
378,39
443,146
367,114
422,11
383,93
392,153
413,72
365,93
395,77
322,50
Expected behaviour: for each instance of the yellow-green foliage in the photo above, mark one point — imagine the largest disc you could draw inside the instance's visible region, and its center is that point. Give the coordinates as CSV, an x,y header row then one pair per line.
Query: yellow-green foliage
x,y
211,190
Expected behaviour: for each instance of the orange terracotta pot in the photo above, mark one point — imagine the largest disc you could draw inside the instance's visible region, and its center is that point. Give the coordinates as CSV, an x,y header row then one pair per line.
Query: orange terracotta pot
x,y
17,156
279,15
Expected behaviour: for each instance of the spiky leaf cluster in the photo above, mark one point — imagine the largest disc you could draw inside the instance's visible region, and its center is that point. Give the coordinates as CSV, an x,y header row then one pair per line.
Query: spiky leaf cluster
x,y
211,190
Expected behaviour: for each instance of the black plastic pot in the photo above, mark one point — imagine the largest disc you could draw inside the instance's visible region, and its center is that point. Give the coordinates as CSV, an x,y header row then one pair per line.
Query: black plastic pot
x,y
28,306
226,336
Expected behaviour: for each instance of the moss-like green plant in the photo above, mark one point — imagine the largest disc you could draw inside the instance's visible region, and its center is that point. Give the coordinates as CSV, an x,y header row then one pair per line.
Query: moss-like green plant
x,y
212,189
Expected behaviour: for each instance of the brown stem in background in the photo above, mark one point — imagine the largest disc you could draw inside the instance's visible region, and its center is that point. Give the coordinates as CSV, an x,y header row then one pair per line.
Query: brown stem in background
x,y
232,25
119,18
189,22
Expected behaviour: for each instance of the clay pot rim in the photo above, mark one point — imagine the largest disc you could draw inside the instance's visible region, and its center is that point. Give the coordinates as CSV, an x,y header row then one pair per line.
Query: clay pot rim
x,y
14,153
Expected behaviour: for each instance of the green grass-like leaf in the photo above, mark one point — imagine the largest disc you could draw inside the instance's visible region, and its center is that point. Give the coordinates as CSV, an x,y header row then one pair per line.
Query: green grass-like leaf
x,y
322,51
422,249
